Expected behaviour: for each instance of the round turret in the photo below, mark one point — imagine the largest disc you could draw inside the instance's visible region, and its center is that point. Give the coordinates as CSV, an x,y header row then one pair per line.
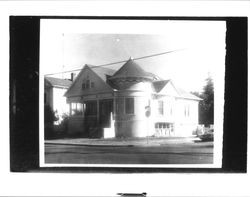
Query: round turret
x,y
130,75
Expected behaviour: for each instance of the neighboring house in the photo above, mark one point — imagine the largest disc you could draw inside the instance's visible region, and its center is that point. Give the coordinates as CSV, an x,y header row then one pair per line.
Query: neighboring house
x,y
54,91
129,102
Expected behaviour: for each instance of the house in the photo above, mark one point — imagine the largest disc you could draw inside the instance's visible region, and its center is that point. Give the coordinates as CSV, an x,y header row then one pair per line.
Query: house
x,y
54,91
132,101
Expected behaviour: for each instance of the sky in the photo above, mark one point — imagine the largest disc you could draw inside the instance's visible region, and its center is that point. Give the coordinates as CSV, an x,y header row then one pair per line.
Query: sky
x,y
198,47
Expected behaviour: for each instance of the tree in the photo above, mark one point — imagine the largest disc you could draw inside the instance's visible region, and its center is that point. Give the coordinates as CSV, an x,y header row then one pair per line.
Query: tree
x,y
206,105
49,118
49,115
208,102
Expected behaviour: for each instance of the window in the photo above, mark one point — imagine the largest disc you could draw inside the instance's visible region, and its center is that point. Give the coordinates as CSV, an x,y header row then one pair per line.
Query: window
x,y
120,105
76,109
87,84
79,108
83,86
160,107
129,105
186,110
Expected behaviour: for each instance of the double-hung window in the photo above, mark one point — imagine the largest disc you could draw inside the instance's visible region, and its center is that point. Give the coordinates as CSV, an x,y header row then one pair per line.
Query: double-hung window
x,y
129,105
160,107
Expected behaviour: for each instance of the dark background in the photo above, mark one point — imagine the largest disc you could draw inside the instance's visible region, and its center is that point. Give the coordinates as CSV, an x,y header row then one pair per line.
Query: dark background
x,y
24,97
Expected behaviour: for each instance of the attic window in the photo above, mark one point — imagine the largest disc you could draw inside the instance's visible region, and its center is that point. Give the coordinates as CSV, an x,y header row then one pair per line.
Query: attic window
x,y
83,86
87,84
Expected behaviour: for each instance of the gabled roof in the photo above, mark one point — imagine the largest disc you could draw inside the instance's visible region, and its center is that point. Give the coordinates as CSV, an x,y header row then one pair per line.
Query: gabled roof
x,y
158,85
56,82
132,70
99,71
129,70
103,72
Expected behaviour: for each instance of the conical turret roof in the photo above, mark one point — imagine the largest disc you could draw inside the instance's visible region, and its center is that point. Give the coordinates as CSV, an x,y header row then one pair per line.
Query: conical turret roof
x,y
131,70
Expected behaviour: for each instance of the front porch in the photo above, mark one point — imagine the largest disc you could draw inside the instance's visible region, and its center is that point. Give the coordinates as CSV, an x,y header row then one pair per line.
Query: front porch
x,y
91,118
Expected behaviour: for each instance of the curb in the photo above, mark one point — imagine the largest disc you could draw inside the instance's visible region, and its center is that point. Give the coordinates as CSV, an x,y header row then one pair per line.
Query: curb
x,y
117,145
78,144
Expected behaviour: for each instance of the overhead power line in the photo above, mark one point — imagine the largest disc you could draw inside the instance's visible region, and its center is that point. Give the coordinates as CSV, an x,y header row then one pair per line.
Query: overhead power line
x,y
109,64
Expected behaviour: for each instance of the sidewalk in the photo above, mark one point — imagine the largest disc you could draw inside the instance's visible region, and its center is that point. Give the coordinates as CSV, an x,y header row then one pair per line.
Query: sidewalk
x,y
151,141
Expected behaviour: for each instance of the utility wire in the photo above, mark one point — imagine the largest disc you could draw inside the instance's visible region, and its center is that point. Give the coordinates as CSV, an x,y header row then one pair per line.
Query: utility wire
x,y
109,64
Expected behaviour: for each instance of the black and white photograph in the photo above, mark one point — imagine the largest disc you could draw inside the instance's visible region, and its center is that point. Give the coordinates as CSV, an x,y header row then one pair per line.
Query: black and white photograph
x,y
132,92
124,98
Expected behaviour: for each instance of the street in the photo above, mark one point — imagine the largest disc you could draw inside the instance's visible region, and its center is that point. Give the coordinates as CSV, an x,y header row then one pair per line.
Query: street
x,y
180,153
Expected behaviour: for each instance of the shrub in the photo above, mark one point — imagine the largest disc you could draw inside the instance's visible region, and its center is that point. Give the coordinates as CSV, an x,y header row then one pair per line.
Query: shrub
x,y
49,118
64,124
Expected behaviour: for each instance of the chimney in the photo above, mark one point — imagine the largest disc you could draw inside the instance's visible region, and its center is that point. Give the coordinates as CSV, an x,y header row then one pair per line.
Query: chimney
x,y
72,78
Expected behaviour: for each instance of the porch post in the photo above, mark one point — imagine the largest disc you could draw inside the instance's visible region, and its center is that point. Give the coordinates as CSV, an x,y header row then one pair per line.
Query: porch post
x,y
70,109
114,108
83,109
98,118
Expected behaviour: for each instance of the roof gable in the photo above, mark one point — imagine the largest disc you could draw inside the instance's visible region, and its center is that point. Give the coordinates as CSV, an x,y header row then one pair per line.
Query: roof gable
x,y
166,87
88,74
158,85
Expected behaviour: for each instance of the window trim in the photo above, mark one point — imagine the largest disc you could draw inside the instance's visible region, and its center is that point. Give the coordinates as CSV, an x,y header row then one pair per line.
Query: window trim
x,y
127,111
87,84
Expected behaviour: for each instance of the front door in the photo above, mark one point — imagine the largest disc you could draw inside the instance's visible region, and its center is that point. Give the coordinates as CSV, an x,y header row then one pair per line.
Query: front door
x,y
90,119
105,109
